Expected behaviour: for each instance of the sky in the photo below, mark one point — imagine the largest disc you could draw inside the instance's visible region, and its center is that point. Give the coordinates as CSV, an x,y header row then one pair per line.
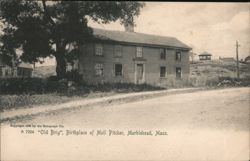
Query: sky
x,y
210,27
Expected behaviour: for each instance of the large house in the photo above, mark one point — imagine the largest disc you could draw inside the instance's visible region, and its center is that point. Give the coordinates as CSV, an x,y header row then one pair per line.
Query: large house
x,y
130,57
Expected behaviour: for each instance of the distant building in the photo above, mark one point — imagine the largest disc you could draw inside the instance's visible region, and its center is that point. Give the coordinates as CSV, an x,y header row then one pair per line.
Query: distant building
x,y
226,59
21,70
205,56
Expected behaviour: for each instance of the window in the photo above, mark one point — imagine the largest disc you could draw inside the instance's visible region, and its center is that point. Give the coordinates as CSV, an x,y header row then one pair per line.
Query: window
x,y
178,55
162,71
98,69
178,72
19,72
139,52
118,50
118,69
6,72
98,49
162,54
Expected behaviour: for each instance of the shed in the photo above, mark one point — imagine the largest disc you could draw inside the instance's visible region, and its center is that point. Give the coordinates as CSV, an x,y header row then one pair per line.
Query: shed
x,y
205,56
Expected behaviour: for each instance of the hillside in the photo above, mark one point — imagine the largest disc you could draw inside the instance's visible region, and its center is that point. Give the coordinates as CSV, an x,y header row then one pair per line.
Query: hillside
x,y
218,69
44,71
202,73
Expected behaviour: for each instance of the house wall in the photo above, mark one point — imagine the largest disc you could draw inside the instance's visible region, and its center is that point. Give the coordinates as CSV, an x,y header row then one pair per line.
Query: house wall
x,y
151,55
8,72
204,57
24,72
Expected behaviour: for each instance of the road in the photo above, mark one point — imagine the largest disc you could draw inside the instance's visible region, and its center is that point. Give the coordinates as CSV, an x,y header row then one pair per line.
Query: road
x,y
204,125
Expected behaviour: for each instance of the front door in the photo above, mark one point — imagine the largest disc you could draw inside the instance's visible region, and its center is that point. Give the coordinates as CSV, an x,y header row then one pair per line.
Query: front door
x,y
178,72
139,74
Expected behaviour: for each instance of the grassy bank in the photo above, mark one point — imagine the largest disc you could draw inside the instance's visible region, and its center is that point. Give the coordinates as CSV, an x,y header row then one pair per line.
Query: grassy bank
x,y
25,93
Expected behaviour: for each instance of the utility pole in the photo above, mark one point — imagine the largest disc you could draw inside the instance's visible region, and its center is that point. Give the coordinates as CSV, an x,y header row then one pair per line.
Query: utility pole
x,y
237,59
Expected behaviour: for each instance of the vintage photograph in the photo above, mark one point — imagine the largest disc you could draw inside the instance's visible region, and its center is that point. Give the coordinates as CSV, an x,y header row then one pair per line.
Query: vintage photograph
x,y
124,80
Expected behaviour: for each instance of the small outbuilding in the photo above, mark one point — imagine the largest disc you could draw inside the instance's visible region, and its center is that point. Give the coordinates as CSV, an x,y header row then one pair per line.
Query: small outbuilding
x,y
205,56
19,70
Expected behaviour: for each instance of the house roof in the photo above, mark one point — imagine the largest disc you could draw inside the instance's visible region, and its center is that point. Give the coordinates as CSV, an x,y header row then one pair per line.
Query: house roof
x,y
138,38
25,65
205,54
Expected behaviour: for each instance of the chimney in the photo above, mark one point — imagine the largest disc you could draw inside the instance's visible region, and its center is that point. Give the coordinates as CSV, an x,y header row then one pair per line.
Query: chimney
x,y
129,28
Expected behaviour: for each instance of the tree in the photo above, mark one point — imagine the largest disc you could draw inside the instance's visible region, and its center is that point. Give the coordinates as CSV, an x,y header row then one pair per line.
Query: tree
x,y
40,29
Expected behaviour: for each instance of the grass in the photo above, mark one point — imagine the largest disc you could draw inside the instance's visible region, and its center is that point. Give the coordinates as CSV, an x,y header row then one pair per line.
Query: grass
x,y
44,71
27,100
209,73
10,102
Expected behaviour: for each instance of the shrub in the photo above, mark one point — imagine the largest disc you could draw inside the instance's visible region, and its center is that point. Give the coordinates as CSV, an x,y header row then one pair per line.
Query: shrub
x,y
228,81
31,85
22,85
74,76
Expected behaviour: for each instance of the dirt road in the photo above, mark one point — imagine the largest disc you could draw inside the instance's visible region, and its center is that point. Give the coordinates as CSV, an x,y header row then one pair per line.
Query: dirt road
x,y
205,125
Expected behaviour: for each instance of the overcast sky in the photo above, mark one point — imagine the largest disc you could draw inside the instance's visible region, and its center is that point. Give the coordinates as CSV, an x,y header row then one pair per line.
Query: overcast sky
x,y
211,27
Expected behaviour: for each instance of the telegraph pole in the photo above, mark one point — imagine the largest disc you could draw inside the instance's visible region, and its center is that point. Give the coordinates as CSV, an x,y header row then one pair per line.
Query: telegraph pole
x,y
237,59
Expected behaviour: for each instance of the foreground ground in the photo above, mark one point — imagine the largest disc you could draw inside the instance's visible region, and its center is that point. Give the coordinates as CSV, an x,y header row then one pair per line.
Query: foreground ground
x,y
205,125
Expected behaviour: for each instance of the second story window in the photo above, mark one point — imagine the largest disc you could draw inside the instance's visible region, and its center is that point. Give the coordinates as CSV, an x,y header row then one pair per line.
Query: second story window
x,y
178,56
138,52
98,49
118,50
162,54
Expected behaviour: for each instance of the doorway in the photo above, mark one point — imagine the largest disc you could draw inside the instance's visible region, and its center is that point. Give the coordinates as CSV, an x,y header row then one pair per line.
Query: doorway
x,y
178,73
139,73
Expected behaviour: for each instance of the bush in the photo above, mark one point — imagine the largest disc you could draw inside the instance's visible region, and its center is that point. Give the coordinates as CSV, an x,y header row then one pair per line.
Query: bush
x,y
228,81
31,85
22,85
65,87
74,76
123,87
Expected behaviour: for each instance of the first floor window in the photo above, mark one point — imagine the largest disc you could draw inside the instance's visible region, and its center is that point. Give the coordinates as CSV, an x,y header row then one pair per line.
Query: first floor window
x,y
7,72
118,69
178,72
98,49
162,71
98,69
19,72
178,55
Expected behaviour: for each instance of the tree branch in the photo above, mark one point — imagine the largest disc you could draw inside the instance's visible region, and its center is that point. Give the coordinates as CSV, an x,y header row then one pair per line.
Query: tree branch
x,y
47,13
